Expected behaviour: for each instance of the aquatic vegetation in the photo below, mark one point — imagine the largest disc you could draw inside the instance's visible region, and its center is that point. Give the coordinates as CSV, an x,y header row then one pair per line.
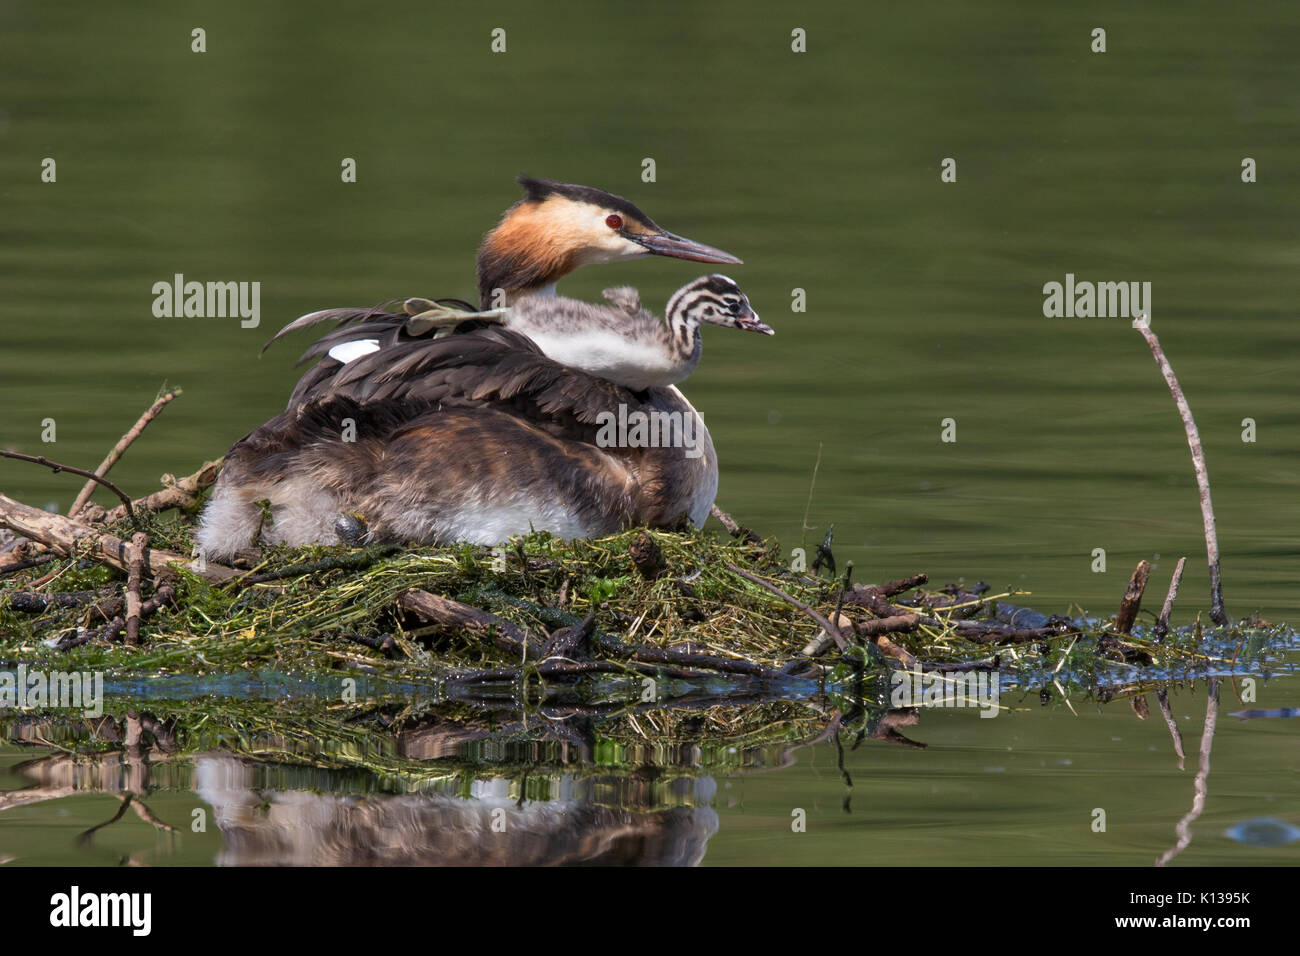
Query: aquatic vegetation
x,y
655,603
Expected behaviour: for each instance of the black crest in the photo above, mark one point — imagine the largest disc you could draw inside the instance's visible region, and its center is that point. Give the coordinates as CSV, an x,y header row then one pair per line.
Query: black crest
x,y
537,190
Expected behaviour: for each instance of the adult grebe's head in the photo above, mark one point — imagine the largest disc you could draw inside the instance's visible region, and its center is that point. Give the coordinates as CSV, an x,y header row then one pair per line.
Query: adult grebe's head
x,y
559,227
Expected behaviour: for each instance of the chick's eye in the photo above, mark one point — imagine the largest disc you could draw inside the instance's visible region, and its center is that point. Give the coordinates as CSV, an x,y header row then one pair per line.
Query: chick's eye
x,y
613,221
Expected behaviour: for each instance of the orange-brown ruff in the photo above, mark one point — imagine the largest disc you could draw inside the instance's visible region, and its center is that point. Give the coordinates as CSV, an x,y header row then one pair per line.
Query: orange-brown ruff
x,y
475,436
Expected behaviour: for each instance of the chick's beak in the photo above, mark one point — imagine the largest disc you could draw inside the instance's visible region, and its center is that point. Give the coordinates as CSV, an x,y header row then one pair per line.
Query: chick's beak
x,y
750,322
677,247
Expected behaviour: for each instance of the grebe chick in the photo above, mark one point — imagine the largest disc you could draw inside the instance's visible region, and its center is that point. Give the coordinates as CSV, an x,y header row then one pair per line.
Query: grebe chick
x,y
623,342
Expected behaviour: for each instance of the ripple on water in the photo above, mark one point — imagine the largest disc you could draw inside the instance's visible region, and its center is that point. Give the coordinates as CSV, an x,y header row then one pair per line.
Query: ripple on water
x,y
1264,831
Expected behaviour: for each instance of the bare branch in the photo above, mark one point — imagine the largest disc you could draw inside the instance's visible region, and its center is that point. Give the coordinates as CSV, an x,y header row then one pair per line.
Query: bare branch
x,y
123,443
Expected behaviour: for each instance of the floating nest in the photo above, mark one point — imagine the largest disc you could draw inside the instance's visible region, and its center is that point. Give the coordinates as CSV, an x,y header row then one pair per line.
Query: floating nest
x,y
664,605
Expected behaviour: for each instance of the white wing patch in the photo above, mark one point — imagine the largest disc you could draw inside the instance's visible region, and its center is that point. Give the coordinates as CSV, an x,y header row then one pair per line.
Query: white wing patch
x,y
346,352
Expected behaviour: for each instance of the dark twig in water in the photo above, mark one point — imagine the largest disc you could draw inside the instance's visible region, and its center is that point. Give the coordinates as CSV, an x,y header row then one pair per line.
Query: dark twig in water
x,y
1200,785
122,445
148,816
86,835
56,468
1217,612
1132,602
1162,697
987,632
824,555
1162,623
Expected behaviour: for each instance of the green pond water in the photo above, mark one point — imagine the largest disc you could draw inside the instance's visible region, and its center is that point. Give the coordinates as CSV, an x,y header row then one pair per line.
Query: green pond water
x,y
823,171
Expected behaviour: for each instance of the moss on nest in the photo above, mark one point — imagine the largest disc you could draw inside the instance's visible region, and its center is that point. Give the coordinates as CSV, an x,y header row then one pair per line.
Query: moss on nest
x,y
311,609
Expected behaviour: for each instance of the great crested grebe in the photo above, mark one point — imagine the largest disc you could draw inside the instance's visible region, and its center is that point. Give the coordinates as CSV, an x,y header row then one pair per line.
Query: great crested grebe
x,y
480,435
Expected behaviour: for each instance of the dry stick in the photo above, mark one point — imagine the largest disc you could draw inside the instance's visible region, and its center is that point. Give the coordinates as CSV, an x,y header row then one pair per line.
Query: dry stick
x,y
895,588
1161,631
826,625
1125,618
148,816
803,541
178,493
1132,602
1217,612
888,625
734,527
135,572
13,567
1200,785
1162,624
1162,697
45,579
42,460
123,443
822,643
890,649
68,537
728,522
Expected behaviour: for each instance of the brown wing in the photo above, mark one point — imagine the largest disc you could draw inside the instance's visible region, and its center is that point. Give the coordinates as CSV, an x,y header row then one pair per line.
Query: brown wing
x,y
478,365
489,365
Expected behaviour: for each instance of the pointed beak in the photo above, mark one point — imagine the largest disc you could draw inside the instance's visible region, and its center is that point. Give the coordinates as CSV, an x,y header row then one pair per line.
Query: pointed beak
x,y
752,323
747,320
676,247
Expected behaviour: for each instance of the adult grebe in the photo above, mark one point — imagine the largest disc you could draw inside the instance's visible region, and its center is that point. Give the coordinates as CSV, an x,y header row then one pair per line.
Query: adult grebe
x,y
476,436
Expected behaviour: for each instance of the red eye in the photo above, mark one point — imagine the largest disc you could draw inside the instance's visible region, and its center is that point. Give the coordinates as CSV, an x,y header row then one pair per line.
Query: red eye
x,y
613,221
